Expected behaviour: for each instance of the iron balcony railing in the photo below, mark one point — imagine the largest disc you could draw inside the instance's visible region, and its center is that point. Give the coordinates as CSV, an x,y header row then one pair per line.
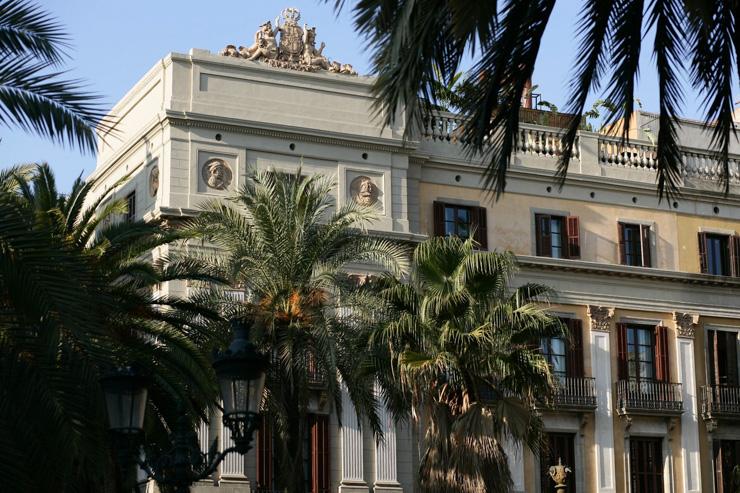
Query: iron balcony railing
x,y
649,397
575,393
722,401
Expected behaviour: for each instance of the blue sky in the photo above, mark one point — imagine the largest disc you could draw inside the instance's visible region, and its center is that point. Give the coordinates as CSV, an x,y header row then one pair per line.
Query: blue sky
x,y
115,42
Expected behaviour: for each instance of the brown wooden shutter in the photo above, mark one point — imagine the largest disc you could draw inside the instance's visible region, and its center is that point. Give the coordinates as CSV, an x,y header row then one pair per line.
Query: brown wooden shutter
x,y
481,226
622,251
264,455
622,364
319,453
574,239
662,371
731,352
647,260
439,218
703,265
734,255
542,235
712,363
575,353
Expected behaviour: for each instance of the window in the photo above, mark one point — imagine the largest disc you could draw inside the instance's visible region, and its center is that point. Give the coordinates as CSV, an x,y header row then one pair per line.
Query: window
x,y
131,207
462,221
565,354
554,350
557,236
719,254
646,465
557,446
318,464
726,458
722,357
642,352
634,244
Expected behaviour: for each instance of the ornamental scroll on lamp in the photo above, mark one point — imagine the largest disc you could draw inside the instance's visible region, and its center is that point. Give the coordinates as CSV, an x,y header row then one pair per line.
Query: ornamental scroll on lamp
x,y
295,50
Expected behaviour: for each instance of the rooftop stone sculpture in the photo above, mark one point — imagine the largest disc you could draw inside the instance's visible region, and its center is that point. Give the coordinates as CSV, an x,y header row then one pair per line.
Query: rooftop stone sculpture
x,y
295,49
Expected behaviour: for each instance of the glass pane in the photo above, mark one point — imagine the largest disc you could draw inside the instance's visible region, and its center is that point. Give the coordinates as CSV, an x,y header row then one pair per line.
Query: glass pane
x,y
632,369
463,230
463,215
449,228
644,337
558,364
449,213
558,346
646,371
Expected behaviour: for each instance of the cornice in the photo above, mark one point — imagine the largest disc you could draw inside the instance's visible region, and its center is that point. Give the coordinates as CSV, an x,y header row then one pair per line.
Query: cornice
x,y
190,120
624,271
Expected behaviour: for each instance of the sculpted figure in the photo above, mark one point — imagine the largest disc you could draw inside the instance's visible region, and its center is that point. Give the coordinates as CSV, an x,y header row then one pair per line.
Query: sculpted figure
x,y
154,181
347,69
312,56
230,50
264,46
217,174
363,190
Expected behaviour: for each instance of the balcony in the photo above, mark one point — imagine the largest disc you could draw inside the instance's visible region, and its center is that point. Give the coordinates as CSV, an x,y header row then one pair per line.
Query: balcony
x,y
649,398
575,394
539,145
720,401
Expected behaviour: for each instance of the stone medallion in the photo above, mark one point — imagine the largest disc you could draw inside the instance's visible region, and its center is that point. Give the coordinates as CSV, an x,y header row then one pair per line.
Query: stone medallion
x,y
364,191
154,181
216,174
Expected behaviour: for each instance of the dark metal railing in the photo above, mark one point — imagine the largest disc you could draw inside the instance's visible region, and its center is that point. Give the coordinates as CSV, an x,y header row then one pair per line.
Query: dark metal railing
x,y
649,397
575,393
720,401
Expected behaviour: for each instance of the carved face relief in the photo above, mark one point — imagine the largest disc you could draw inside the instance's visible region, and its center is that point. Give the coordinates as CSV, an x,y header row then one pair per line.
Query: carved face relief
x,y
154,181
217,174
364,191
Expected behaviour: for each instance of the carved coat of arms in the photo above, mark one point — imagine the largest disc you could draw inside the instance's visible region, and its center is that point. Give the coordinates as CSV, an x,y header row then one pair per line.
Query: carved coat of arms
x,y
291,36
296,48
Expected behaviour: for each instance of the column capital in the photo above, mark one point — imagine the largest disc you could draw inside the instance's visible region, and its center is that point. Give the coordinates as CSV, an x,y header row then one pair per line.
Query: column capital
x,y
601,317
685,324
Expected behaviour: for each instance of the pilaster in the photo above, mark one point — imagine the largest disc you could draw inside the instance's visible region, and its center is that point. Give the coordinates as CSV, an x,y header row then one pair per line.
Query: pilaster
x,y
515,457
601,326
353,480
386,460
685,328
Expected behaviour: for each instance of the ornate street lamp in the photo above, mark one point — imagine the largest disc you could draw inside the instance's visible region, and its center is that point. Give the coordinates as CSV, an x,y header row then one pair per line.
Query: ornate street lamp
x,y
240,371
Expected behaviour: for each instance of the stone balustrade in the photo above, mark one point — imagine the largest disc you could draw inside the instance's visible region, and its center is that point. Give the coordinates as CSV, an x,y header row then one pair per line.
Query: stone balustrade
x,y
608,154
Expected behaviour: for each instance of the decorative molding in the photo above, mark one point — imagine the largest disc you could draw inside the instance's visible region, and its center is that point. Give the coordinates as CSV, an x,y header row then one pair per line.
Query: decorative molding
x,y
686,324
260,129
601,317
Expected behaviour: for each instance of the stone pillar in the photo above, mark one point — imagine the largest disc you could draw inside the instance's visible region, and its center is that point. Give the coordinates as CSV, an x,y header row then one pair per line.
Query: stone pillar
x,y
353,478
601,326
685,328
515,457
386,461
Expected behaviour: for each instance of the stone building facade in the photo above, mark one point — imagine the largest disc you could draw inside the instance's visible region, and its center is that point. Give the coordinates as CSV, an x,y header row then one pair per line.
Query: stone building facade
x,y
650,395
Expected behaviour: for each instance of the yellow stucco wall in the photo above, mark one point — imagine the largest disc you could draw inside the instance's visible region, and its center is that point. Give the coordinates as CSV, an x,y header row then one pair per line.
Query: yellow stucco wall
x,y
510,225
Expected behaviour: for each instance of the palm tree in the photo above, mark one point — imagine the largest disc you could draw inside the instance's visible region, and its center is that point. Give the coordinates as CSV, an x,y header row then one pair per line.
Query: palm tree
x,y
76,300
465,348
415,39
289,246
33,95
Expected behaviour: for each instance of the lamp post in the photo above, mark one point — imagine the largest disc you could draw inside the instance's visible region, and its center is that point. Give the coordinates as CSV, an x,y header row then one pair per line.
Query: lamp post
x,y
240,371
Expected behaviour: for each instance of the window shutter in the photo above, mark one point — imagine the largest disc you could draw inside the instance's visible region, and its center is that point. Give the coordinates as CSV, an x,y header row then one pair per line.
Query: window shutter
x,y
735,255
319,454
264,455
622,252
662,372
703,253
731,352
647,260
712,351
574,240
439,219
542,235
622,368
481,227
575,353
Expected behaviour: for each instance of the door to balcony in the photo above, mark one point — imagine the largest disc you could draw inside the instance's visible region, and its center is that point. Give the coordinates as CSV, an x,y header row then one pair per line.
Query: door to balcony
x,y
557,446
646,465
726,458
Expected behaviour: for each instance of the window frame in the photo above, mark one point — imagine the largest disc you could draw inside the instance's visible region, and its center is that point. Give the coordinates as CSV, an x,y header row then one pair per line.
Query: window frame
x,y
130,215
478,221
641,251
569,235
